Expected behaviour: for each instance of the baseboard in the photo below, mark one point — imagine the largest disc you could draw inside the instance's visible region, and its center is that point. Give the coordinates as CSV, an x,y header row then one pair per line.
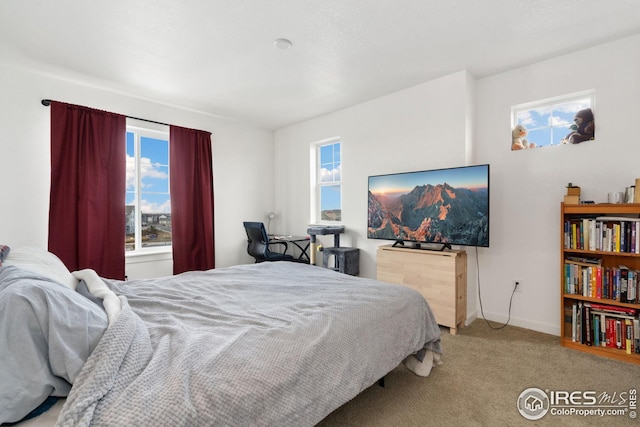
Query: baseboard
x,y
516,321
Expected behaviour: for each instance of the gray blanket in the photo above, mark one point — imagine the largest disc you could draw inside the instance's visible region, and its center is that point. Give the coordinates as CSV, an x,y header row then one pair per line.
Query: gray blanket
x,y
271,344
47,332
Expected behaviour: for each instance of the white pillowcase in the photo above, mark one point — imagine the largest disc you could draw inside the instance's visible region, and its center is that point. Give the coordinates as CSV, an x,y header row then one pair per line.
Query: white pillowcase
x,y
42,262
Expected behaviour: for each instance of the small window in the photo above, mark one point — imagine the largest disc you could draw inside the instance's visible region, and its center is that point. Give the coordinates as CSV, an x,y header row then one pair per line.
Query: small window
x,y
328,179
147,200
552,122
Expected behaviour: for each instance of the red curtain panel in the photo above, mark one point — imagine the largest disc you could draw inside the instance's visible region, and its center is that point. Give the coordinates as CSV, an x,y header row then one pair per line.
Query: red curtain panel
x,y
191,187
87,213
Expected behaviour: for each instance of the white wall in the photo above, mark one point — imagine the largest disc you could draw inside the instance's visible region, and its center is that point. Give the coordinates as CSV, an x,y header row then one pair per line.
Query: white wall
x,y
457,120
415,129
243,180
528,186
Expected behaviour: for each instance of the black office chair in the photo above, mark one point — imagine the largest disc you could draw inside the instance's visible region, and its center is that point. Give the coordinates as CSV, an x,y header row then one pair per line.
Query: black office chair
x,y
258,244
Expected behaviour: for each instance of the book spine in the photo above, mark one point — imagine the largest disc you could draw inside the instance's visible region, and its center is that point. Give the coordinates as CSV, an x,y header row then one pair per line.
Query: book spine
x,y
567,278
613,309
628,329
574,319
618,326
624,274
631,286
587,331
579,324
611,334
585,233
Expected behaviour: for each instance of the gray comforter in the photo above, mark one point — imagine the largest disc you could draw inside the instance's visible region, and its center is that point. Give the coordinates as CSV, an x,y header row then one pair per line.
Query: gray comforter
x,y
270,344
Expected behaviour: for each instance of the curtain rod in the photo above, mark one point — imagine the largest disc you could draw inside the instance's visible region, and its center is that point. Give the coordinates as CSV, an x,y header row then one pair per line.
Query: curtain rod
x,y
47,102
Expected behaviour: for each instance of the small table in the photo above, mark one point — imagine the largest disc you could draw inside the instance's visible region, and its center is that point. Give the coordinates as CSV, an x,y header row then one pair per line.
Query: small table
x,y
297,241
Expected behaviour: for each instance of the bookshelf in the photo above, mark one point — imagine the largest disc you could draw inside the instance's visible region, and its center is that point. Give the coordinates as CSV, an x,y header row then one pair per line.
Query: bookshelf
x,y
600,279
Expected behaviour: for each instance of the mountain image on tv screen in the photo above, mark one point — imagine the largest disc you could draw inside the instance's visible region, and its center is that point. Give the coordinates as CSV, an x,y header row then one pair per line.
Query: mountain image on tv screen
x,y
449,206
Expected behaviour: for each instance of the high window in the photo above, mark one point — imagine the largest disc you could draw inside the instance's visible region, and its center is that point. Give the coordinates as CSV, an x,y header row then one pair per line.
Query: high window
x,y
549,122
327,203
148,202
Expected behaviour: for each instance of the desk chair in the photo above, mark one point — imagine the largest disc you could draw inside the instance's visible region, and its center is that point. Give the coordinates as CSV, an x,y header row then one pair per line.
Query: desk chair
x,y
258,244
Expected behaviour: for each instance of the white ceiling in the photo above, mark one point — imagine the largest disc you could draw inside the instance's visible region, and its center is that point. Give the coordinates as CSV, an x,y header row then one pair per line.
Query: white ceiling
x,y
218,56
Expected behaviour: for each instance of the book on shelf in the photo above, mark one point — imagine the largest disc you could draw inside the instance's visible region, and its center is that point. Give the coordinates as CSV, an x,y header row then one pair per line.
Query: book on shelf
x,y
604,325
611,332
624,277
569,311
583,260
619,335
574,316
628,332
587,331
613,309
603,233
614,283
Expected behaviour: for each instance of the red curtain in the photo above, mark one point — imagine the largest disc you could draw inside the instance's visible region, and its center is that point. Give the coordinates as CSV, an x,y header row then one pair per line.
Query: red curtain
x,y
191,184
87,213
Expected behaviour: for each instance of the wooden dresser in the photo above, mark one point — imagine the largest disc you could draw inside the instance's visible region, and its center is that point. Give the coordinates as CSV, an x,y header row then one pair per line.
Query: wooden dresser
x,y
440,276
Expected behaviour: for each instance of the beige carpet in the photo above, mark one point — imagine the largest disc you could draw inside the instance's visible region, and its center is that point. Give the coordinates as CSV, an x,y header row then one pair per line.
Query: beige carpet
x,y
483,374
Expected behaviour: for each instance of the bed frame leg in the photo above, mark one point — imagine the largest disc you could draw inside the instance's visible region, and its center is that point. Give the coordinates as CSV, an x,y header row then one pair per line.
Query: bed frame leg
x,y
381,382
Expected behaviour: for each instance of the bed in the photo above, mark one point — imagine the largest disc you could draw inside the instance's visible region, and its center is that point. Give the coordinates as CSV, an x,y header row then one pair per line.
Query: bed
x,y
262,344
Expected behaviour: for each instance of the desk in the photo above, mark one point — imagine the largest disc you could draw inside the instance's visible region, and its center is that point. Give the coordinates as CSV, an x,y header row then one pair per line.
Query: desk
x,y
298,241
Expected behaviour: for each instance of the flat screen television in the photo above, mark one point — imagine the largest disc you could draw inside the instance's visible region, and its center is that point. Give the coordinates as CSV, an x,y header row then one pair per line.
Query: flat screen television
x,y
441,206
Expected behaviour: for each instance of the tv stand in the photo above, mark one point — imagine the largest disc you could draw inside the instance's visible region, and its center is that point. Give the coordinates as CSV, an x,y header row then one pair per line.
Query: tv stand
x,y
418,245
398,242
440,276
440,249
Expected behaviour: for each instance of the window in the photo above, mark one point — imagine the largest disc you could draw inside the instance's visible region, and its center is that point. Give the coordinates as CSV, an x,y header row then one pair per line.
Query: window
x,y
548,122
328,179
148,202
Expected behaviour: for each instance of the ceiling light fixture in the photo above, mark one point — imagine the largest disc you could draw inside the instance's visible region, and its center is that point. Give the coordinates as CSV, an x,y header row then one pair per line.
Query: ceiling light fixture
x,y
283,44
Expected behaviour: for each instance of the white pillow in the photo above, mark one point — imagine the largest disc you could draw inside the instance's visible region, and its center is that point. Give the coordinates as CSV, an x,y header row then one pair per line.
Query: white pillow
x,y
40,261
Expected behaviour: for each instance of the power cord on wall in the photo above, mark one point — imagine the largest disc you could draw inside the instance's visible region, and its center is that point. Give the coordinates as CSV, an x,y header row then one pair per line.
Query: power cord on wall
x,y
480,297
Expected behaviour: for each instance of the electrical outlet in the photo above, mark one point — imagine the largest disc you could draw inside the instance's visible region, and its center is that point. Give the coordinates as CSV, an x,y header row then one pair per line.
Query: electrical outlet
x,y
517,284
